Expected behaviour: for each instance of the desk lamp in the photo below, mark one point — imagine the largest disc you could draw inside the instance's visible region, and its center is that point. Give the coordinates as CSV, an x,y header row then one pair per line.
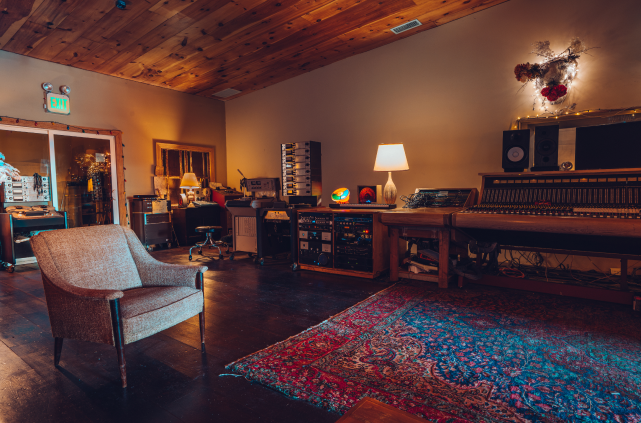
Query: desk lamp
x,y
190,182
390,158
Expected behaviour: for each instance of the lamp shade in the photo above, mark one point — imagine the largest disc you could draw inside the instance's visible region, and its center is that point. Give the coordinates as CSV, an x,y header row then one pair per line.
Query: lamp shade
x,y
391,158
189,181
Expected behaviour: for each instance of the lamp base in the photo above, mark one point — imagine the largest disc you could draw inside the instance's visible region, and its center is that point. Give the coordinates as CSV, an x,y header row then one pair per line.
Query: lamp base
x,y
389,192
191,197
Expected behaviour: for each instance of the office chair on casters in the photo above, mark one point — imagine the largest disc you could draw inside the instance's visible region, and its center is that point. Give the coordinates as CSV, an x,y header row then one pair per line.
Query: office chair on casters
x,y
209,232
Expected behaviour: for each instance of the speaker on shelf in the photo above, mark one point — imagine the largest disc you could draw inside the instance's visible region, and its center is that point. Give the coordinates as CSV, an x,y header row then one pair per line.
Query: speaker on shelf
x,y
516,150
546,148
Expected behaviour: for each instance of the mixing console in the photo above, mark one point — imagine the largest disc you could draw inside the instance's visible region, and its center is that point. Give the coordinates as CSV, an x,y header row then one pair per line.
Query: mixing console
x,y
563,194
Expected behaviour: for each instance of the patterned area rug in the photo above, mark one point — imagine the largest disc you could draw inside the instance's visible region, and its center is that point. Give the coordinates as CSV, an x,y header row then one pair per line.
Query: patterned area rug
x,y
457,356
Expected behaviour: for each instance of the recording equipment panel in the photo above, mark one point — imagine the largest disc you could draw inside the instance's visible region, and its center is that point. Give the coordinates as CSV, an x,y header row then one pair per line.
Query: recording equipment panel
x,y
616,146
27,216
262,184
301,169
28,188
595,211
353,244
343,242
315,239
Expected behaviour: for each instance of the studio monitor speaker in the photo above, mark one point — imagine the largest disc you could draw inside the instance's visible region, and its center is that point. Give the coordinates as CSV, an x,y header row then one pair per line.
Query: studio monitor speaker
x,y
516,150
546,148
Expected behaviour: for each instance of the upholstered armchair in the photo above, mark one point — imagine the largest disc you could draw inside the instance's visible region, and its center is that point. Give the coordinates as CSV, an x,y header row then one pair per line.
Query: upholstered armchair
x,y
101,285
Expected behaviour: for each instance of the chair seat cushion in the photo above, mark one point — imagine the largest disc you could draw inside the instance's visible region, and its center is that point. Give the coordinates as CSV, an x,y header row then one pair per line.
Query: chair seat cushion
x,y
146,311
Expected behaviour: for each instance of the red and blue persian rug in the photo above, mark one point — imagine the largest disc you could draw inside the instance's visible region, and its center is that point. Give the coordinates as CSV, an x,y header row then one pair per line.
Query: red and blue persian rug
x,y
466,356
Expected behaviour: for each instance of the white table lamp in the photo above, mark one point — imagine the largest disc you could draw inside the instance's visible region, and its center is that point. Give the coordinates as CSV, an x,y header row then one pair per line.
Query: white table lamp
x,y
189,182
390,158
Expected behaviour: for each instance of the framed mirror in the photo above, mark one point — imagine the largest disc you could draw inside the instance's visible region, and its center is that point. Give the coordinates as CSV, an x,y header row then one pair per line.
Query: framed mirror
x,y
173,160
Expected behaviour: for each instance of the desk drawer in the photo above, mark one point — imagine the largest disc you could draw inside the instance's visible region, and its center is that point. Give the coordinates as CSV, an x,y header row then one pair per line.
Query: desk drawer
x,y
156,218
157,233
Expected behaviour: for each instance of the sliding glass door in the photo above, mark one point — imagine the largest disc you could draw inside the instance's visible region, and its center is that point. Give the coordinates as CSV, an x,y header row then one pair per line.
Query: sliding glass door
x,y
79,167
84,180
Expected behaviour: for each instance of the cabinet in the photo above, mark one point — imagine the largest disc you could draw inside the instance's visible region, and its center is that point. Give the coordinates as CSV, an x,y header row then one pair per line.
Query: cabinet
x,y
187,219
151,228
220,197
345,242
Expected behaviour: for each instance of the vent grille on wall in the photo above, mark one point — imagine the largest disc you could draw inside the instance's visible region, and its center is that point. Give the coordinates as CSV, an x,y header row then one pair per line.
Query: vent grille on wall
x,y
406,26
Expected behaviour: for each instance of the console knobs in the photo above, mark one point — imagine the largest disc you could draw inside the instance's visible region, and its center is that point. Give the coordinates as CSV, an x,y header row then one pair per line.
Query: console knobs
x,y
323,259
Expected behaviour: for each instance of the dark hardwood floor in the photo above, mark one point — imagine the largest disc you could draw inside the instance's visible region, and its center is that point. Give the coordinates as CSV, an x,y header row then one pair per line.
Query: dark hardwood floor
x,y
248,307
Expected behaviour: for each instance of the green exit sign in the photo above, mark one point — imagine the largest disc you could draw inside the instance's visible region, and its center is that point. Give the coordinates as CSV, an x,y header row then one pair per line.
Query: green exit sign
x,y
57,103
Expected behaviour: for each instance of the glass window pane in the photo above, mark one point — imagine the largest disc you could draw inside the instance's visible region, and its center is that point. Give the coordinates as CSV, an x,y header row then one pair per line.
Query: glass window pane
x,y
83,174
29,153
197,163
173,163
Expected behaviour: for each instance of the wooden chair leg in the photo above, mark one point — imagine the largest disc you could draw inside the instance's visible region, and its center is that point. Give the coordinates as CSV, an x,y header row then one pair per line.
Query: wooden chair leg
x,y
201,317
118,340
200,284
57,349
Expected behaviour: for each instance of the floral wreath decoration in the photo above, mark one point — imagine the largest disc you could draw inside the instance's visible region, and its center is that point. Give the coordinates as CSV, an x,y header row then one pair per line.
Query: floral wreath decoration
x,y
552,76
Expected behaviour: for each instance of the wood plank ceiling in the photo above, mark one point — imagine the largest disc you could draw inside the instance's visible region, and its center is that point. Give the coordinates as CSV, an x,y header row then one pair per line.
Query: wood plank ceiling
x,y
204,46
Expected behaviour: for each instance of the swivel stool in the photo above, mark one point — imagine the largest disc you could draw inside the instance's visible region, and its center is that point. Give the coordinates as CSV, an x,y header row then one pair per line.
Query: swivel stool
x,y
209,241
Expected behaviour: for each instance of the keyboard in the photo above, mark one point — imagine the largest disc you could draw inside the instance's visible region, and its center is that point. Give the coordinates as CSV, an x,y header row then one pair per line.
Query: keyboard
x,y
362,206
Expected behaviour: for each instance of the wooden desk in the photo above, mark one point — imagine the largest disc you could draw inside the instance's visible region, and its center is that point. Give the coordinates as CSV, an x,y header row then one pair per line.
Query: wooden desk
x,y
187,219
434,223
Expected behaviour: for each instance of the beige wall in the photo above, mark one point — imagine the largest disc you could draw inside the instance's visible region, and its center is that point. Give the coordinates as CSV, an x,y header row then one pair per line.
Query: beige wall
x,y
447,94
142,112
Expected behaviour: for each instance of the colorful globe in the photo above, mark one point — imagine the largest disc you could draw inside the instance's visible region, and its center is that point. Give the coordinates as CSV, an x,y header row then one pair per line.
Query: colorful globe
x,y
341,195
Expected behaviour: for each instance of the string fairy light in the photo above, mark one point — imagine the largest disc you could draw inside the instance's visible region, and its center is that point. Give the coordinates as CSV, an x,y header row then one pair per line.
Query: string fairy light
x,y
552,76
584,114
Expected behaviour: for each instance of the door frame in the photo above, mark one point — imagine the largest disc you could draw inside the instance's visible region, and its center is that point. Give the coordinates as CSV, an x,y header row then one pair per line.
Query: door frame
x,y
116,148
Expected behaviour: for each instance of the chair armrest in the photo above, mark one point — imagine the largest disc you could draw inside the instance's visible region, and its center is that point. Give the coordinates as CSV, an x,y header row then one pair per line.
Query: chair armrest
x,y
165,274
79,313
156,273
90,294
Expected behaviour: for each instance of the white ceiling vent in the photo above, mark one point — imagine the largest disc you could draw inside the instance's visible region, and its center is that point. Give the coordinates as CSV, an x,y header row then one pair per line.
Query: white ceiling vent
x,y
227,92
406,26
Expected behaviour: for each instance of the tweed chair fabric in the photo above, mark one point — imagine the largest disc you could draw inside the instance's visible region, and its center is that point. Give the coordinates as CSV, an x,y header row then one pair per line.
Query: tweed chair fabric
x,y
93,257
74,312
156,273
79,306
146,311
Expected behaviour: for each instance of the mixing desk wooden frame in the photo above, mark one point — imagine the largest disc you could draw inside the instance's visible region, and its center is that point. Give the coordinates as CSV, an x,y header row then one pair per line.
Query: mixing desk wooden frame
x,y
610,226
428,223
